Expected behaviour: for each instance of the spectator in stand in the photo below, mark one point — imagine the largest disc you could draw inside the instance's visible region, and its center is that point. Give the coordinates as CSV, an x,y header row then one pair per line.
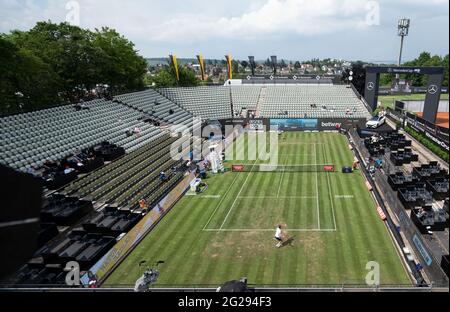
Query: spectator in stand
x,y
32,171
129,132
68,170
202,169
162,176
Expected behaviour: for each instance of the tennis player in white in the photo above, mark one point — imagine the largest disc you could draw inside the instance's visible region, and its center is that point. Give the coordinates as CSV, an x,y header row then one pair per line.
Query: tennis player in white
x,y
279,236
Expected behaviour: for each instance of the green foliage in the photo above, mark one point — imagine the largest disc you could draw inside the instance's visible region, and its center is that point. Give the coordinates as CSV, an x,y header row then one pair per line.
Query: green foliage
x,y
376,112
386,79
244,64
26,82
167,78
438,151
124,69
426,59
55,63
235,67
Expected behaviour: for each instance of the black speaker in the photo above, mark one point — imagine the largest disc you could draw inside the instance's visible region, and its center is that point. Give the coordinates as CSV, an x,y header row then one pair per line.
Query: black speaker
x,y
21,201
347,170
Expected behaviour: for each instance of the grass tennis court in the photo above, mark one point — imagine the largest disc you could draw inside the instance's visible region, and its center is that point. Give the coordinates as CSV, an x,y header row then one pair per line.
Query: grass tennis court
x,y
389,100
227,232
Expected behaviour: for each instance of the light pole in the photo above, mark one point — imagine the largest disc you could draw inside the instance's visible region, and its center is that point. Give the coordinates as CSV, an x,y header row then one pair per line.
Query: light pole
x,y
403,30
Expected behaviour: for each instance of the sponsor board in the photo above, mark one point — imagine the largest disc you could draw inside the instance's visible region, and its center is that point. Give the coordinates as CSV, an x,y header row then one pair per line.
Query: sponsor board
x,y
237,168
422,250
332,125
437,141
256,124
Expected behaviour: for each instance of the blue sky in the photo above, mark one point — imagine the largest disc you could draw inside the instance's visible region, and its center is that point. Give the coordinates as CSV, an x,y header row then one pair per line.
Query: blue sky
x,y
291,29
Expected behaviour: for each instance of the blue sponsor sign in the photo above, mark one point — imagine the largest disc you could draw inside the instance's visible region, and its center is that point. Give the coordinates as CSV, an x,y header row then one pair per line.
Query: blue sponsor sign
x,y
425,255
295,124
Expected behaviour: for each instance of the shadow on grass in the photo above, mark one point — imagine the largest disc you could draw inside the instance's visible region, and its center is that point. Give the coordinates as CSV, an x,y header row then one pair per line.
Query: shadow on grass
x,y
289,242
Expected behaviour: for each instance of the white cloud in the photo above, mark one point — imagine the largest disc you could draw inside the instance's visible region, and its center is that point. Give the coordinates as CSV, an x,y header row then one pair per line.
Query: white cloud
x,y
275,17
150,21
217,25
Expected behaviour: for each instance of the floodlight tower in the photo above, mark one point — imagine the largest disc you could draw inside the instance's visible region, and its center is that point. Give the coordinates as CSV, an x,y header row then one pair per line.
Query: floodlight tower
x,y
403,30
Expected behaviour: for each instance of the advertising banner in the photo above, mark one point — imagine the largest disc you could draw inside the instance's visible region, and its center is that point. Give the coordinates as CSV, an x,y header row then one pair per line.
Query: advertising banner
x,y
302,124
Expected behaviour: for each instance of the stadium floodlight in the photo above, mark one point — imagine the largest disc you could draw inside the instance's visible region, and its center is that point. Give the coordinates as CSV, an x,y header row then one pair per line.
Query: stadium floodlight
x,y
403,27
403,31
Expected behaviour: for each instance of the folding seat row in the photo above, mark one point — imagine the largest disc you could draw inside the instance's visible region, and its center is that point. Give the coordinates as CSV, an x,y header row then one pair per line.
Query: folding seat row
x,y
104,175
131,179
139,180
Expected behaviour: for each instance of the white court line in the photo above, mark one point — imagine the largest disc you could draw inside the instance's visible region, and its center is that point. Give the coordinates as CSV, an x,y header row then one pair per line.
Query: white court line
x,y
290,143
281,180
317,189
330,192
275,197
268,230
344,196
299,154
292,165
220,202
235,200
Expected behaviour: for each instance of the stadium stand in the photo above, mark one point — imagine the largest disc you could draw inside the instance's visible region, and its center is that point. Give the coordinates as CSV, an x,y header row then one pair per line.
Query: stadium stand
x,y
286,101
312,101
205,102
152,103
131,178
28,140
245,97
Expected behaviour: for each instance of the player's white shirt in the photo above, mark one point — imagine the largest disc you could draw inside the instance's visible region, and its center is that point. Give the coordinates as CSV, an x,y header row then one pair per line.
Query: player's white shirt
x,y
278,233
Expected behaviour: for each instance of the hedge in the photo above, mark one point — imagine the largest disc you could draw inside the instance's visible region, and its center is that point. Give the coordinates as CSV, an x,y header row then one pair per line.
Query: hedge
x,y
428,144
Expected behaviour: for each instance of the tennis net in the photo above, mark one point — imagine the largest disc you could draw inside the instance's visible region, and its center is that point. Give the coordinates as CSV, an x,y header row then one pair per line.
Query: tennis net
x,y
282,168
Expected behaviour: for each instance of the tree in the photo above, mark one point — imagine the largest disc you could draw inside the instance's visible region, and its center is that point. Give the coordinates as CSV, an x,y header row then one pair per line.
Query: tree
x,y
426,59
167,78
297,65
55,63
445,61
386,79
26,82
122,67
244,64
164,78
235,66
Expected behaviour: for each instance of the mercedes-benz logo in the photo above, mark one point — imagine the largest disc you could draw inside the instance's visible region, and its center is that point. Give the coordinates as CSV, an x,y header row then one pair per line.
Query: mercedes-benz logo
x,y
248,77
432,89
370,86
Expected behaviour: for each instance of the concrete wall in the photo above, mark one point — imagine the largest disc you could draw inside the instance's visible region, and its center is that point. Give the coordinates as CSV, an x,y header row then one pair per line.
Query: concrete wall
x,y
417,106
